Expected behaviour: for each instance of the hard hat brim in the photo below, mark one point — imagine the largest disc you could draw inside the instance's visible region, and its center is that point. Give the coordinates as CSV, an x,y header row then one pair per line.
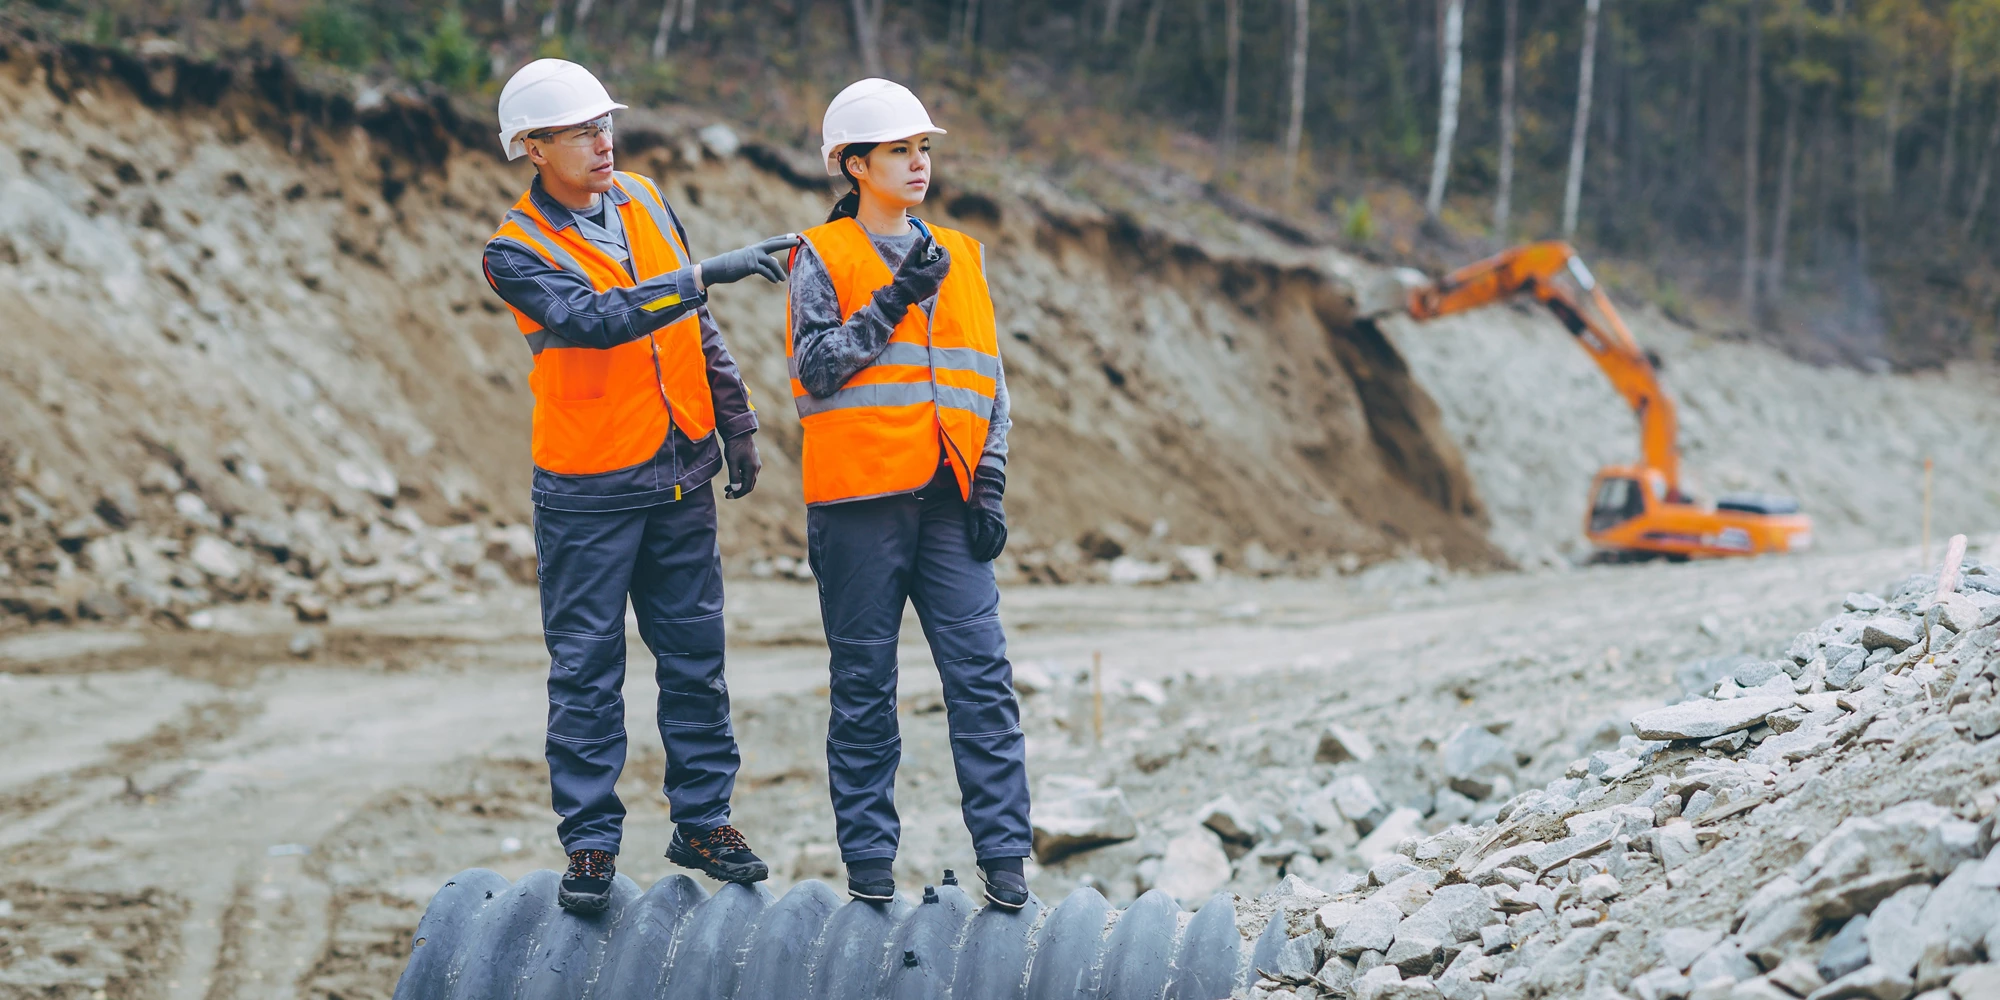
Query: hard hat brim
x,y
510,140
830,152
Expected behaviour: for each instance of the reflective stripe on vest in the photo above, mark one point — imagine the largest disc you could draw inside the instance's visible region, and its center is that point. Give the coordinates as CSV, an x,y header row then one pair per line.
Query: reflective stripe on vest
x,y
603,410
879,434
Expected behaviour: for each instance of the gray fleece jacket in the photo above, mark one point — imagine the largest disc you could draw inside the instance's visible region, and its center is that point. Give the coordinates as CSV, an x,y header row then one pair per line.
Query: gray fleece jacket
x,y
827,351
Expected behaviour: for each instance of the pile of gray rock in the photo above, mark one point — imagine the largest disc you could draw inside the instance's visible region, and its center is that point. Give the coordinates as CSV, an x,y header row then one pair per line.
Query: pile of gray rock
x,y
1817,826
165,554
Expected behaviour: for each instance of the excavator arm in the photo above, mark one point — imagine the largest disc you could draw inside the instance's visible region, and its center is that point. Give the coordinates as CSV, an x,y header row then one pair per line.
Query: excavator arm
x,y
1554,274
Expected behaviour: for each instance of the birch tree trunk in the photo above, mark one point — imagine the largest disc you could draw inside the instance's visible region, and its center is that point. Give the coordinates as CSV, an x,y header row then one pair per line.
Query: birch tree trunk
x,y
1296,126
1980,182
1503,199
1148,37
1454,65
1949,156
663,34
867,18
1232,35
1573,187
583,9
1110,20
1781,226
1752,135
969,24
508,10
1350,105
552,18
687,15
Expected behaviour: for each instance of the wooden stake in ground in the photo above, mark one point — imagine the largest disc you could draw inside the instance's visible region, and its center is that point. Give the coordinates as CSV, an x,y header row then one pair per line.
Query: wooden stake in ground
x,y
1097,697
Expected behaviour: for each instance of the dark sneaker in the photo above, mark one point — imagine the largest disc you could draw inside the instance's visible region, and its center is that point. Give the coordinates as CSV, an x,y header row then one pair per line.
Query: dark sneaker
x,y
872,885
586,886
1005,889
721,854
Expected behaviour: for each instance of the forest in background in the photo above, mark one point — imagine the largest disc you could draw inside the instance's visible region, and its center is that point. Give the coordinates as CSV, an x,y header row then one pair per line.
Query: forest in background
x,y
1814,172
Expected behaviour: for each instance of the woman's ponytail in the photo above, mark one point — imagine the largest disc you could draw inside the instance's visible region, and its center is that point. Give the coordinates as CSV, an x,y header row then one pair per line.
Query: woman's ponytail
x,y
849,204
846,207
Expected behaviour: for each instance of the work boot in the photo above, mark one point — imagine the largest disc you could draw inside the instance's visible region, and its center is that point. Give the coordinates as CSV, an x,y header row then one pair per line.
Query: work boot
x,y
872,881
1005,889
586,886
721,854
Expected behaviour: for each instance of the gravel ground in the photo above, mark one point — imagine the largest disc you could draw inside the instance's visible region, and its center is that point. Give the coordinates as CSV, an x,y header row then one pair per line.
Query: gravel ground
x,y
206,815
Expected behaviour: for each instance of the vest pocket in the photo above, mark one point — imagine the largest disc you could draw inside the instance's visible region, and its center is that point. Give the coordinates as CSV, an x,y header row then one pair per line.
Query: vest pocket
x,y
574,374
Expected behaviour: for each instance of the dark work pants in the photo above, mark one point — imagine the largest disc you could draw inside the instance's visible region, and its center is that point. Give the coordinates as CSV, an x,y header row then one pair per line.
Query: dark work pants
x,y
869,556
666,558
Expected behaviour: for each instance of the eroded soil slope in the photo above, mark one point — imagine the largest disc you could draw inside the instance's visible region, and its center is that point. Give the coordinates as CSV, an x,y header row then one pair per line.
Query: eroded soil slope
x,y
251,348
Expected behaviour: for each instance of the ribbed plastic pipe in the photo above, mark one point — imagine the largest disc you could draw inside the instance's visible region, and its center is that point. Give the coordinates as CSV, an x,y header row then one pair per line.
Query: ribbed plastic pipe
x,y
484,938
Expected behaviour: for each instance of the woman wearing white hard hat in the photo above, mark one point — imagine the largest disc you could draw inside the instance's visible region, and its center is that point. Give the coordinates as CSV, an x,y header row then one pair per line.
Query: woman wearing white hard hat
x,y
897,379
633,388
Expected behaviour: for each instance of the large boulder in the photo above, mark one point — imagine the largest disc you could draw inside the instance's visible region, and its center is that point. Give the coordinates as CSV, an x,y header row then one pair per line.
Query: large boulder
x,y
1081,821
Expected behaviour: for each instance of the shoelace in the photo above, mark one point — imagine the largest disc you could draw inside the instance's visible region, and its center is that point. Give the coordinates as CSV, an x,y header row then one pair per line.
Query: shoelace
x,y
591,864
721,840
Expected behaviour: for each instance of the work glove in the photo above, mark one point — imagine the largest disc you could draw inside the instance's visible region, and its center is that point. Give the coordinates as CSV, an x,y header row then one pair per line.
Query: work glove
x,y
985,518
740,454
918,278
754,259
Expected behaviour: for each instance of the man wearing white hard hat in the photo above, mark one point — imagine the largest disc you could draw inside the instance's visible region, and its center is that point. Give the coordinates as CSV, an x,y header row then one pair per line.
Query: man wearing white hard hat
x,y
898,383
633,389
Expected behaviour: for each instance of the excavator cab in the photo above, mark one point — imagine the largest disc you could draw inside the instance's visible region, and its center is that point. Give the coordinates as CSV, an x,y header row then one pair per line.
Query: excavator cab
x,y
1619,499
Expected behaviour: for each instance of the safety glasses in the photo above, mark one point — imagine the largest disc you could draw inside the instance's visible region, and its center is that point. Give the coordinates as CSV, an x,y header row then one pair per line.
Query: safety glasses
x,y
575,135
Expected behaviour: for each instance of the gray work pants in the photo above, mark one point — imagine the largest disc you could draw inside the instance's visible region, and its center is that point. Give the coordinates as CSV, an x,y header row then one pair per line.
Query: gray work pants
x,y
869,557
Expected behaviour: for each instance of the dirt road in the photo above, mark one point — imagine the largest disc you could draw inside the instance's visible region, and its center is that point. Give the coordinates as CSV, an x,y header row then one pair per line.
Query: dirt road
x,y
206,815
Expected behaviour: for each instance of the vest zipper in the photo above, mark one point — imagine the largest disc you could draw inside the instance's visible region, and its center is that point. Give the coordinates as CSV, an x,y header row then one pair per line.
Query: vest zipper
x,y
930,358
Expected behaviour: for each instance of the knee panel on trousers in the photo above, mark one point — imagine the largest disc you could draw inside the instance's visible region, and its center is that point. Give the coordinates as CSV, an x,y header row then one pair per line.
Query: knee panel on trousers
x,y
688,665
978,682
586,673
862,691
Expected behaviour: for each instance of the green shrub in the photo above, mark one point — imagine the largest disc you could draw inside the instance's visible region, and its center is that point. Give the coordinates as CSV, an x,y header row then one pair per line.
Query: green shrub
x,y
451,55
1360,226
334,33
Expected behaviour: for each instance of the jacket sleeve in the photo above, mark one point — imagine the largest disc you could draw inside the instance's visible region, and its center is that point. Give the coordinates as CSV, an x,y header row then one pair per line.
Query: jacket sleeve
x,y
567,306
734,413
826,352
1001,422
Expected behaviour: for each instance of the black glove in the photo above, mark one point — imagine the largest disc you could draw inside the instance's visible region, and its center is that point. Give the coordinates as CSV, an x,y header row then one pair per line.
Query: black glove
x,y
916,280
753,259
740,454
985,518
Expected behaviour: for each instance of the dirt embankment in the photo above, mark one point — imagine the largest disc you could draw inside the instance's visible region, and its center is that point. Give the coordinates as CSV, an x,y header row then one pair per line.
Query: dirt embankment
x,y
254,358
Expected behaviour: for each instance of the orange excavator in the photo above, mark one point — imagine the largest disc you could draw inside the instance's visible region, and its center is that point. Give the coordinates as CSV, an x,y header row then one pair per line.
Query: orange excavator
x,y
1638,510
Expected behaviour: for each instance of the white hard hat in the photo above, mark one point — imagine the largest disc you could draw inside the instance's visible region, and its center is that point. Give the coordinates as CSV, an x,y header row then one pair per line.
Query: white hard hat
x,y
871,110
547,93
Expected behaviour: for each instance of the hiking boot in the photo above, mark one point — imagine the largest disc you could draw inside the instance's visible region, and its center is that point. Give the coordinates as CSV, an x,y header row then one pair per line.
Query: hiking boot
x,y
1008,890
721,854
872,885
586,886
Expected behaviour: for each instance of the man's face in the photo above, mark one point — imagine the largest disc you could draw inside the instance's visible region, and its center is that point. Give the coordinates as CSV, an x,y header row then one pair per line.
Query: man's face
x,y
575,157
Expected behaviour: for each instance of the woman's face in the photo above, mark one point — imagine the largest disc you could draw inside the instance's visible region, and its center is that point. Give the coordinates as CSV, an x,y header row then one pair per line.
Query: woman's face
x,y
895,173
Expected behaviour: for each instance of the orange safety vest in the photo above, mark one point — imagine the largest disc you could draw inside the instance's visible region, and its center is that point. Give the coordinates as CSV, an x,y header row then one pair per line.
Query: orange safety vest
x,y
603,410
878,435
